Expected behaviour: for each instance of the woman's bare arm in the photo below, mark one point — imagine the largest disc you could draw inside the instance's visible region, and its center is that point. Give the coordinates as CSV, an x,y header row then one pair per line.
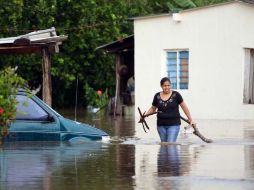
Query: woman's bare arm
x,y
151,110
187,112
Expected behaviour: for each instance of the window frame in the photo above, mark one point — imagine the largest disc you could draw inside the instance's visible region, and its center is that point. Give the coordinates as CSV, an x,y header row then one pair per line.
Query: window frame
x,y
178,70
29,118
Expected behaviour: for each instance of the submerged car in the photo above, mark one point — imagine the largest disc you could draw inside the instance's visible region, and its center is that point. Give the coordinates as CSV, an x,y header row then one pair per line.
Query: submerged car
x,y
36,121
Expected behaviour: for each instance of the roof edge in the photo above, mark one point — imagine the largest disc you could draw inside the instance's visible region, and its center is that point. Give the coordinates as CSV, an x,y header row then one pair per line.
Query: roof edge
x,y
105,45
192,9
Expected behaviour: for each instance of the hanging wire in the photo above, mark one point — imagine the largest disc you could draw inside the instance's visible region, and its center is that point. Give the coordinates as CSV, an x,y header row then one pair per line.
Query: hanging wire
x,y
7,29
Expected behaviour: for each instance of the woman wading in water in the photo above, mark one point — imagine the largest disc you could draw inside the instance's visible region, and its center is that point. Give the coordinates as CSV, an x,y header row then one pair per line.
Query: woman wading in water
x,y
166,103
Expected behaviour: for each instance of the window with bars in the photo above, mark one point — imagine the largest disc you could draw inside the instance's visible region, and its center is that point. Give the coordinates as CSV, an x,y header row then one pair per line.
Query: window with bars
x,y
178,68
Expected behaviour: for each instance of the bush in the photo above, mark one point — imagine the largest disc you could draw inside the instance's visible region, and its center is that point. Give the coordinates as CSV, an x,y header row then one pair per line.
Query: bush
x,y
97,99
10,82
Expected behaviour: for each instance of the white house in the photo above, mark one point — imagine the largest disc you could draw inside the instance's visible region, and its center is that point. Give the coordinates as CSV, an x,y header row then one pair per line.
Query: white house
x,y
207,52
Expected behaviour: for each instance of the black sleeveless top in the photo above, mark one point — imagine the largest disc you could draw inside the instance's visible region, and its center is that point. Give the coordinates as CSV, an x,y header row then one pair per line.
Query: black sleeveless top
x,y
168,110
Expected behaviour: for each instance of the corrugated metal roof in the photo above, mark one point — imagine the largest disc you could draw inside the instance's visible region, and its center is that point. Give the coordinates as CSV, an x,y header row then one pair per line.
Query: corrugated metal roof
x,y
48,35
32,42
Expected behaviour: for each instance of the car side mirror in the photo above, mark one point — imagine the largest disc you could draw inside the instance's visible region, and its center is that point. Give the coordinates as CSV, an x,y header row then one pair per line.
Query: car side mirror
x,y
51,118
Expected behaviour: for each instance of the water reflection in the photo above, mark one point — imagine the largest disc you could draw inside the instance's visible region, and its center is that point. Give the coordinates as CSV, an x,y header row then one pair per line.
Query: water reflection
x,y
112,170
137,161
168,161
30,165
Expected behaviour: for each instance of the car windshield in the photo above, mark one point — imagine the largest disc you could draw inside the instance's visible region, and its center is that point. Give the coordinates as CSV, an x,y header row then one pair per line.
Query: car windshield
x,y
27,109
38,99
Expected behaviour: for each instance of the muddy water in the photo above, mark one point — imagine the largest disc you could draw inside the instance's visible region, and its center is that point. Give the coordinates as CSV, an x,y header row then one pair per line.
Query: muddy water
x,y
135,160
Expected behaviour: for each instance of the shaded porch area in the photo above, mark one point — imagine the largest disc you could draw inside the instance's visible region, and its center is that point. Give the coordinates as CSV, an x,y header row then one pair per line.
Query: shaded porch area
x,y
123,50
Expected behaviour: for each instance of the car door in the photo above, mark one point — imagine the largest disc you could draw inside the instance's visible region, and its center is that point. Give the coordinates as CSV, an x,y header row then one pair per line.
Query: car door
x,y
33,123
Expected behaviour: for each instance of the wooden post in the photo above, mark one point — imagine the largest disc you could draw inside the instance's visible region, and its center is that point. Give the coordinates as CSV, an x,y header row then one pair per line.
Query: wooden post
x,y
46,76
117,92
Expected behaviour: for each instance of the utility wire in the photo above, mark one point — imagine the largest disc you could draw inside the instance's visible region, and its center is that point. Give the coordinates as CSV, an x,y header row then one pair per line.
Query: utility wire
x,y
85,26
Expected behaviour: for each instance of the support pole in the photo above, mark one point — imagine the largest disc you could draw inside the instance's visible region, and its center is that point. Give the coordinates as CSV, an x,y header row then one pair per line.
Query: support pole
x,y
46,76
117,92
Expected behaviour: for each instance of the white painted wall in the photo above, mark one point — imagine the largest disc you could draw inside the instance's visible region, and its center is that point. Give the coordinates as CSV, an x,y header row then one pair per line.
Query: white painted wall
x,y
215,37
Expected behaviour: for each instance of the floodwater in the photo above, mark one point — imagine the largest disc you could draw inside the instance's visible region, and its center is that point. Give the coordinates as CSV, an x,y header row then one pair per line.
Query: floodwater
x,y
134,159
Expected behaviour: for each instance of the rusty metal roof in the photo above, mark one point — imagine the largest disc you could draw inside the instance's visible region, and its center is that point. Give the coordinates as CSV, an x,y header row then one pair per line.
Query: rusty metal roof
x,y
32,42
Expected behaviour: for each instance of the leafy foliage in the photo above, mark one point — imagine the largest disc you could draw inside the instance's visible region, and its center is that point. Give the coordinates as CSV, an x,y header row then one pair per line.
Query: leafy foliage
x,y
9,84
98,99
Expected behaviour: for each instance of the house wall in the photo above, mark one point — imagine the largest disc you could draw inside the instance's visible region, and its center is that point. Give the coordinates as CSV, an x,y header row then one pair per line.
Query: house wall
x,y
215,37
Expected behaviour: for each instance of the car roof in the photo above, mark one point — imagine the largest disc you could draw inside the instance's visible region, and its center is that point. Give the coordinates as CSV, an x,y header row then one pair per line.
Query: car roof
x,y
22,91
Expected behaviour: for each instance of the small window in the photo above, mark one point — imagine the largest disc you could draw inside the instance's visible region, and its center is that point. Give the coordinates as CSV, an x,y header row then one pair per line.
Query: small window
x,y
178,68
27,109
248,92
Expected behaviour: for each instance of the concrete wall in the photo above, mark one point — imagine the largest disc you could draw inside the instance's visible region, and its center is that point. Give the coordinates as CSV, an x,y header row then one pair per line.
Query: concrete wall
x,y
215,37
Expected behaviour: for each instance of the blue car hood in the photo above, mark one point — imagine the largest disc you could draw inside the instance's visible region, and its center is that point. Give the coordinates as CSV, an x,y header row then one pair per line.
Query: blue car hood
x,y
77,127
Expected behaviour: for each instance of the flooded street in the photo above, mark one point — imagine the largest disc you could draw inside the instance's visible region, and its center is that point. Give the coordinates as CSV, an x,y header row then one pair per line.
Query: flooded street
x,y
134,159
